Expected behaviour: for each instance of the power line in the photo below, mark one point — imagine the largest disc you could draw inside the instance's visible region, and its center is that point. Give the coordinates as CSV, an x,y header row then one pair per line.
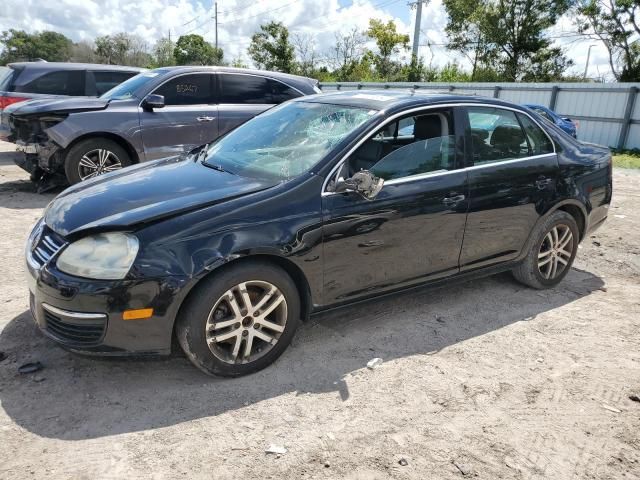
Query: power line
x,y
262,13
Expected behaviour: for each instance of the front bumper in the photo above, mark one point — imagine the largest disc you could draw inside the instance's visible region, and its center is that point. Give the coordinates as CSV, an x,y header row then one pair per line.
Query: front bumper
x,y
86,316
37,156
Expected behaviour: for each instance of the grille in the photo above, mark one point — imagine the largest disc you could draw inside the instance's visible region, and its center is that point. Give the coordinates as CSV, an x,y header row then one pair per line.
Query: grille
x,y
48,244
87,332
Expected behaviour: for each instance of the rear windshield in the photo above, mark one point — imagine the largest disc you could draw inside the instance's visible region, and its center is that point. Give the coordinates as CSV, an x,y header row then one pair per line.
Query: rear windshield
x,y
128,88
6,75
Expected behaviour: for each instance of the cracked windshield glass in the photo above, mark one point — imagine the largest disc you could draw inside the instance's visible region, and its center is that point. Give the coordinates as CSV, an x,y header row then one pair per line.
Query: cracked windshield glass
x,y
286,141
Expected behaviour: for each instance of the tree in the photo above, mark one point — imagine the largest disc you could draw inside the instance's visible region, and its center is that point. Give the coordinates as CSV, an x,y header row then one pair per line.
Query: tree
x,y
194,50
509,34
112,49
616,24
123,49
389,43
238,62
307,56
467,35
83,52
348,53
47,45
163,52
270,48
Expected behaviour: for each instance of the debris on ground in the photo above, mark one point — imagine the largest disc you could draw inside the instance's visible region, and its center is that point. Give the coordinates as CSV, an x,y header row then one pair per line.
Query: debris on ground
x,y
610,408
403,462
620,216
463,467
31,367
39,378
634,398
3,356
597,244
374,363
276,449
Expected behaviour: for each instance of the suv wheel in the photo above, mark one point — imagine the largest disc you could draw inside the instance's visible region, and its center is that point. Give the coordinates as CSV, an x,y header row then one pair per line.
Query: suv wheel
x,y
240,320
551,255
93,157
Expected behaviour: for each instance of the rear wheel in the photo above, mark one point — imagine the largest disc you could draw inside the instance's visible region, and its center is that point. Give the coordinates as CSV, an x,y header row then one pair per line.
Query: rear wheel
x,y
551,254
240,320
93,157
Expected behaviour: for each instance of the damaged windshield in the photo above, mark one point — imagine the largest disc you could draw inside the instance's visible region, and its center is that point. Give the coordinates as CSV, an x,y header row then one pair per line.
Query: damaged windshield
x,y
285,141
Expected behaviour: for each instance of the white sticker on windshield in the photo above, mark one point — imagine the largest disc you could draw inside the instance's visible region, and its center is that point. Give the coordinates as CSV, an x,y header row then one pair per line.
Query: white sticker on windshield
x,y
377,98
150,74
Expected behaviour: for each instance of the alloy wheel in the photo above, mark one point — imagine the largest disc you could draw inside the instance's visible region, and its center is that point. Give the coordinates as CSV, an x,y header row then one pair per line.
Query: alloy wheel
x,y
96,162
555,251
246,322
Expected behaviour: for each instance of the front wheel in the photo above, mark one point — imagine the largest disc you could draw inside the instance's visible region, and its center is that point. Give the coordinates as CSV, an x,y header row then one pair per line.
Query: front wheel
x,y
553,248
240,320
93,157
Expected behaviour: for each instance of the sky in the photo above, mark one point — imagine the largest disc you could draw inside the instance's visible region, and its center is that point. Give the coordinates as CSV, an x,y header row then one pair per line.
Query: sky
x,y
239,19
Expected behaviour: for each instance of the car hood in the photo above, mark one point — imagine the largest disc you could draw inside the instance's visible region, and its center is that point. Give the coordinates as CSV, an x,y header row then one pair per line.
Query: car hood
x,y
144,193
59,105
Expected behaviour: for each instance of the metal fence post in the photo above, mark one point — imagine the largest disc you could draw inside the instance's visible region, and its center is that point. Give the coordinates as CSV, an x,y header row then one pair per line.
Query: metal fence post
x,y
554,97
626,121
496,92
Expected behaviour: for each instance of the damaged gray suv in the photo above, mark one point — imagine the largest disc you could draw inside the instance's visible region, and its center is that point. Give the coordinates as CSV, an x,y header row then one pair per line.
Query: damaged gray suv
x,y
156,114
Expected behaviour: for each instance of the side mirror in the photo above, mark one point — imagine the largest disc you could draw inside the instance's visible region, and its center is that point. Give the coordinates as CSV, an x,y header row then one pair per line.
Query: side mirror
x,y
362,182
153,101
567,119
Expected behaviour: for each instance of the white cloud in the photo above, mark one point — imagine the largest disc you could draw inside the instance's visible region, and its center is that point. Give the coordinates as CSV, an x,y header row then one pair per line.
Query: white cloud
x,y
239,19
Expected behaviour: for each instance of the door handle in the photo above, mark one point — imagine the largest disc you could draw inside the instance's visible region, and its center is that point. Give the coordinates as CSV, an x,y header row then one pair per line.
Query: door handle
x,y
205,119
453,199
543,182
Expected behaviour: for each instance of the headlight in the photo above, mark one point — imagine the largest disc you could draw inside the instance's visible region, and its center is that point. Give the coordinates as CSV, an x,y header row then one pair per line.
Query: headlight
x,y
105,256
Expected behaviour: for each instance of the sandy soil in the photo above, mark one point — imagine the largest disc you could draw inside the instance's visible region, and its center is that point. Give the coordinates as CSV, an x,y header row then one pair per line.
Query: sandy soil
x,y
486,379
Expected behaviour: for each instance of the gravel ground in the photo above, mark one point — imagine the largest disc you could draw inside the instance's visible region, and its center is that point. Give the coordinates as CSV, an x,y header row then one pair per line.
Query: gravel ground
x,y
485,379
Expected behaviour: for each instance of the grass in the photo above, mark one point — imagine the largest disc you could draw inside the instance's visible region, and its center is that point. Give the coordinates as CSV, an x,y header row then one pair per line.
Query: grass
x,y
626,158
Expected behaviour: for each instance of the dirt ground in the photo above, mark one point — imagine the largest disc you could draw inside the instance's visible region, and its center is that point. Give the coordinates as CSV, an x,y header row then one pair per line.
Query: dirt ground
x,y
486,379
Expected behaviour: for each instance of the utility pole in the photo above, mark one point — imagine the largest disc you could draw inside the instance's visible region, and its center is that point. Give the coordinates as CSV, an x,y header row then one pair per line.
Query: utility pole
x,y
586,67
416,32
215,6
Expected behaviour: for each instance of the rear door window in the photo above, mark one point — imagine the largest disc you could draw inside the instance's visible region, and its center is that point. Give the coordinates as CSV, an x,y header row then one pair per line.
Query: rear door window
x,y
69,82
193,89
496,135
105,81
253,89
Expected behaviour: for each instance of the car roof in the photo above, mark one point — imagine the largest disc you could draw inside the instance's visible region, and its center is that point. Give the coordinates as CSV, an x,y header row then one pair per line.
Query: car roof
x,y
392,100
73,66
205,68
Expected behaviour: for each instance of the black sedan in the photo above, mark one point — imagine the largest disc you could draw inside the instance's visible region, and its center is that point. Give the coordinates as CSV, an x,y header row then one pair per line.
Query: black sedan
x,y
322,201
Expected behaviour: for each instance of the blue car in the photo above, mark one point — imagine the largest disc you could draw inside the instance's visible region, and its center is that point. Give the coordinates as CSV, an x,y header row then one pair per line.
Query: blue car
x,y
565,124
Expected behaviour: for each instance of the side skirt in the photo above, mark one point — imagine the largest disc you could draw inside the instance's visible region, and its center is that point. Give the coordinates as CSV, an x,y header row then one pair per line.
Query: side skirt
x,y
452,280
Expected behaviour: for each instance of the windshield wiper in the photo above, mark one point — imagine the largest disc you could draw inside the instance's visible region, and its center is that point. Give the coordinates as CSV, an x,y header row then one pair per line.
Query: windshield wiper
x,y
217,167
202,153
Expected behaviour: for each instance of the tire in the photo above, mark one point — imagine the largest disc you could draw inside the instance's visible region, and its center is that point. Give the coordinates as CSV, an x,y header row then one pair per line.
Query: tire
x,y
116,158
208,330
536,270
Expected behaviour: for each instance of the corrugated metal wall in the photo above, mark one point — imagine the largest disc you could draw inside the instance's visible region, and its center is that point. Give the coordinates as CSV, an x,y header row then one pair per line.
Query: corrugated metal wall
x,y
609,114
